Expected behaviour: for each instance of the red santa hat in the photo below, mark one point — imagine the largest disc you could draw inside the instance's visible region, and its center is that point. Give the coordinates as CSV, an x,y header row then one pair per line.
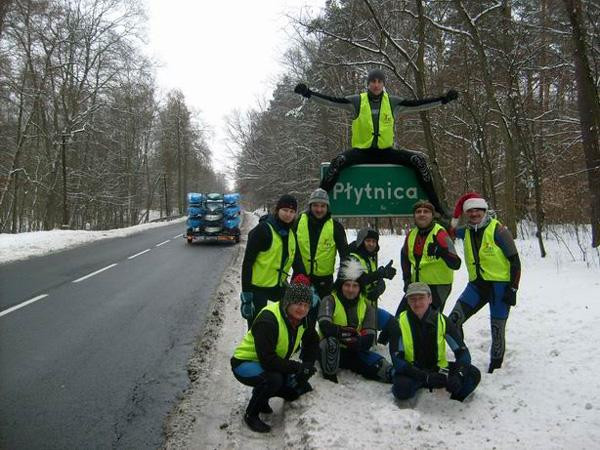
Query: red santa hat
x,y
467,201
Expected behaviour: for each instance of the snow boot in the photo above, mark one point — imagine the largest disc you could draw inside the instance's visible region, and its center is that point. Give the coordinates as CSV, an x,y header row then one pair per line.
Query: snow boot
x,y
333,172
260,397
255,424
265,408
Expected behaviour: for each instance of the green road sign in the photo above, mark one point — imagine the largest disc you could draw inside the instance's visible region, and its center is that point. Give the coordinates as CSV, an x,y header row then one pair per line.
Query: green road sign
x,y
374,190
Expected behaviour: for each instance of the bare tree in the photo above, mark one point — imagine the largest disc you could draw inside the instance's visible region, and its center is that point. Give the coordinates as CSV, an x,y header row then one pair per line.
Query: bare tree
x,y
589,111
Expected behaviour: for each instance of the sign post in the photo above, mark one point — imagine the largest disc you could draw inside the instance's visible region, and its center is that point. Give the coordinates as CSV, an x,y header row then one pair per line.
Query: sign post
x,y
374,190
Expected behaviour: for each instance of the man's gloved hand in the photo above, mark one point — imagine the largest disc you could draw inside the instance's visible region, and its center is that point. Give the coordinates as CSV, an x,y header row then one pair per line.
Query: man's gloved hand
x,y
349,337
305,371
377,291
387,272
346,332
450,95
510,296
247,306
436,380
435,249
303,90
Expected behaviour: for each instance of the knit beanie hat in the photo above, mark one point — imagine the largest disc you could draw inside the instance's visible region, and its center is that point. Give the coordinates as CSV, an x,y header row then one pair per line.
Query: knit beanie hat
x,y
296,292
287,201
319,196
468,201
424,204
376,74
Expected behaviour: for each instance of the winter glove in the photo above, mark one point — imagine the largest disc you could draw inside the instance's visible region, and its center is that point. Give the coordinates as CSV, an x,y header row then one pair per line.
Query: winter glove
x,y
247,307
377,290
510,296
346,332
436,380
303,90
387,272
315,298
306,371
450,95
435,249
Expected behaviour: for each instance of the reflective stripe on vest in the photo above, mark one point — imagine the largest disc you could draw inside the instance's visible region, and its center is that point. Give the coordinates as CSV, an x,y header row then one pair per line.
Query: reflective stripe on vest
x,y
323,262
409,347
370,265
268,269
362,126
432,270
493,265
247,351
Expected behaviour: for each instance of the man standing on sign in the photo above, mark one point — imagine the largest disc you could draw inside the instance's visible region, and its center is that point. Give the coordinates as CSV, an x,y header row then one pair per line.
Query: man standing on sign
x,y
374,112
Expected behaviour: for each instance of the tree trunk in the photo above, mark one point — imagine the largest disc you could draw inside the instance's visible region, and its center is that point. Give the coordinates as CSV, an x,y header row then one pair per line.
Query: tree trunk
x,y
589,112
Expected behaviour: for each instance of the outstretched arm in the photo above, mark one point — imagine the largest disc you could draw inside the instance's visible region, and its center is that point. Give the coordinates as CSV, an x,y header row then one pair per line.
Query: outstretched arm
x,y
404,106
324,99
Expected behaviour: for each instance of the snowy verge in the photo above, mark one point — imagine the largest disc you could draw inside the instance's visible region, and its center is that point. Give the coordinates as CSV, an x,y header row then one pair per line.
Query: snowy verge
x,y
14,247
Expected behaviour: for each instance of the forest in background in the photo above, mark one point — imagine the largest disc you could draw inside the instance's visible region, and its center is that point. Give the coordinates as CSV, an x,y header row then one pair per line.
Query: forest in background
x,y
524,131
84,136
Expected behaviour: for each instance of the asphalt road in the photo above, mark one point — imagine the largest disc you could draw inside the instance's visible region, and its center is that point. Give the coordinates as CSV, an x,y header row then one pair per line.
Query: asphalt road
x,y
98,361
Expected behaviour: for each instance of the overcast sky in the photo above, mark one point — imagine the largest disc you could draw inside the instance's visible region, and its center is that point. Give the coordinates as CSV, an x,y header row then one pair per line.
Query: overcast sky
x,y
222,55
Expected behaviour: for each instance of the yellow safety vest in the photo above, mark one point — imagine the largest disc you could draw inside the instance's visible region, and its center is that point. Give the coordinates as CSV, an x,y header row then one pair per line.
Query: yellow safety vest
x,y
432,270
247,351
363,129
268,269
493,265
370,265
339,313
408,344
323,262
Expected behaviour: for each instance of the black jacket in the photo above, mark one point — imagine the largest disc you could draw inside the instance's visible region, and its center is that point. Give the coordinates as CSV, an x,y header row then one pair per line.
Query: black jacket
x,y
265,330
424,334
315,226
259,240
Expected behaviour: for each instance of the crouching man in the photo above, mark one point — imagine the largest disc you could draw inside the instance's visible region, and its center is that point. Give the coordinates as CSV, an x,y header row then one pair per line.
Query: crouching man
x,y
262,360
418,341
348,325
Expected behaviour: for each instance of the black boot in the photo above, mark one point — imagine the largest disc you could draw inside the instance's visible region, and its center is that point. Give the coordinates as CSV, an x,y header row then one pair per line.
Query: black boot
x,y
494,364
333,172
255,424
384,337
265,408
260,397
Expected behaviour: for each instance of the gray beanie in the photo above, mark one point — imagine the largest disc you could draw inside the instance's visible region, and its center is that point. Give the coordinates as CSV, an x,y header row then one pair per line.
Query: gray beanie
x,y
319,196
296,293
375,74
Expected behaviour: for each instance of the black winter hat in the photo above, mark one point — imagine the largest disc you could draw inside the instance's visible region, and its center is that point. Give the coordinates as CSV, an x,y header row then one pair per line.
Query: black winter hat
x,y
375,74
287,201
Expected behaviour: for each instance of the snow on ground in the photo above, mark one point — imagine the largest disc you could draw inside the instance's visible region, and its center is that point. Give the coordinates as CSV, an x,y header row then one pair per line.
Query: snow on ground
x,y
546,396
15,247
